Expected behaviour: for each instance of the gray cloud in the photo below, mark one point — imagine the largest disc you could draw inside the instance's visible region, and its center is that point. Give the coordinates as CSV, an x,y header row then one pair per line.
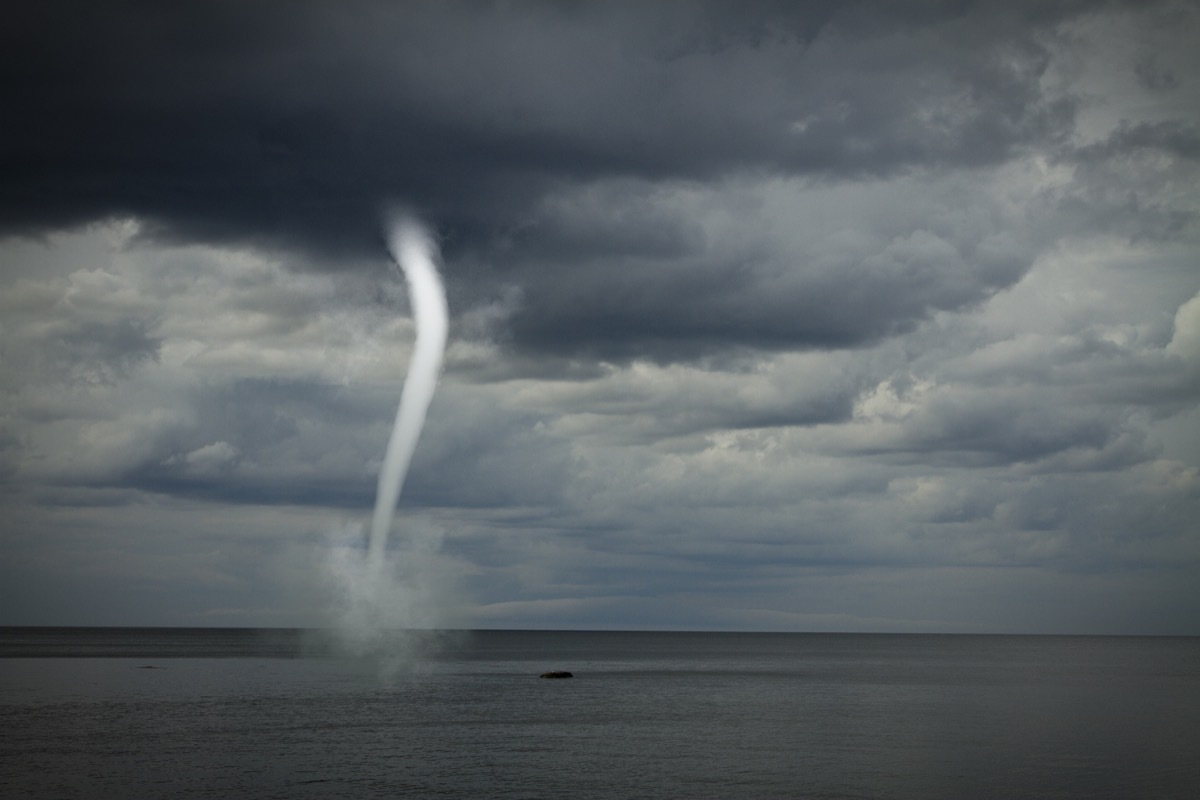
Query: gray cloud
x,y
773,264
220,121
818,316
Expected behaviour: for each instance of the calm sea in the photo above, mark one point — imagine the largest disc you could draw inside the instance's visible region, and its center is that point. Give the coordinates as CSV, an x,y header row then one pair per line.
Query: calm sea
x,y
98,713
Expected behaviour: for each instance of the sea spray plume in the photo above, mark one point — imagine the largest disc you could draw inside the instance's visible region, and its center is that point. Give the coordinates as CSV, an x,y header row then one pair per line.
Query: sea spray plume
x,y
414,250
389,615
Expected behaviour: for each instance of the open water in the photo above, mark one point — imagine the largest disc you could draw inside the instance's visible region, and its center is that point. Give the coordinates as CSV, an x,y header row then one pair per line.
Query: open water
x,y
100,713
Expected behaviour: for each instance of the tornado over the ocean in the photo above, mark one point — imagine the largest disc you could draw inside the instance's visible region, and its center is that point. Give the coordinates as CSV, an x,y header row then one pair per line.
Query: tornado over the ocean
x,y
413,248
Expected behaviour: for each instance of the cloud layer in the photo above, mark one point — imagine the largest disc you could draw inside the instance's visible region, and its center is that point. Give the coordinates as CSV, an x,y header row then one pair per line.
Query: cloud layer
x,y
831,316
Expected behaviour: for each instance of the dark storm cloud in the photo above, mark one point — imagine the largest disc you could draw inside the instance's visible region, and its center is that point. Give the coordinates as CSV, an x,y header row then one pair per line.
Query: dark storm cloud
x,y
95,352
286,124
245,443
1131,182
272,442
855,315
475,455
821,293
986,428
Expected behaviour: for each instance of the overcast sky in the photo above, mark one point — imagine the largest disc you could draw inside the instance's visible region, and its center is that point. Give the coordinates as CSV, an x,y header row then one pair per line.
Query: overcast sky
x,y
830,316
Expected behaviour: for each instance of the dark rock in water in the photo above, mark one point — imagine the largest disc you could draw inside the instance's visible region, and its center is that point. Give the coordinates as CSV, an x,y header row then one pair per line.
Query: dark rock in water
x,y
557,674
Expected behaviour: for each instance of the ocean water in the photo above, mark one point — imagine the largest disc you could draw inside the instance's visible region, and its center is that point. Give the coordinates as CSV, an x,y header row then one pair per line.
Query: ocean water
x,y
99,713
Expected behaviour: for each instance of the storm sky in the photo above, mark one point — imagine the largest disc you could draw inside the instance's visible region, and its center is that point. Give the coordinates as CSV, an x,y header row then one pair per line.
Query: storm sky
x,y
830,316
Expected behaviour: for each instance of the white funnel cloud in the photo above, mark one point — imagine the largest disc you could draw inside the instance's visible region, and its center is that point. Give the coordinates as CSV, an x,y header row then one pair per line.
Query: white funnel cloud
x,y
413,248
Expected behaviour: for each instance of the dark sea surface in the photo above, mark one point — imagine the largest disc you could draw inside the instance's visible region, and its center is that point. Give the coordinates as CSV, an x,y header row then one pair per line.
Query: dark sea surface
x,y
143,713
